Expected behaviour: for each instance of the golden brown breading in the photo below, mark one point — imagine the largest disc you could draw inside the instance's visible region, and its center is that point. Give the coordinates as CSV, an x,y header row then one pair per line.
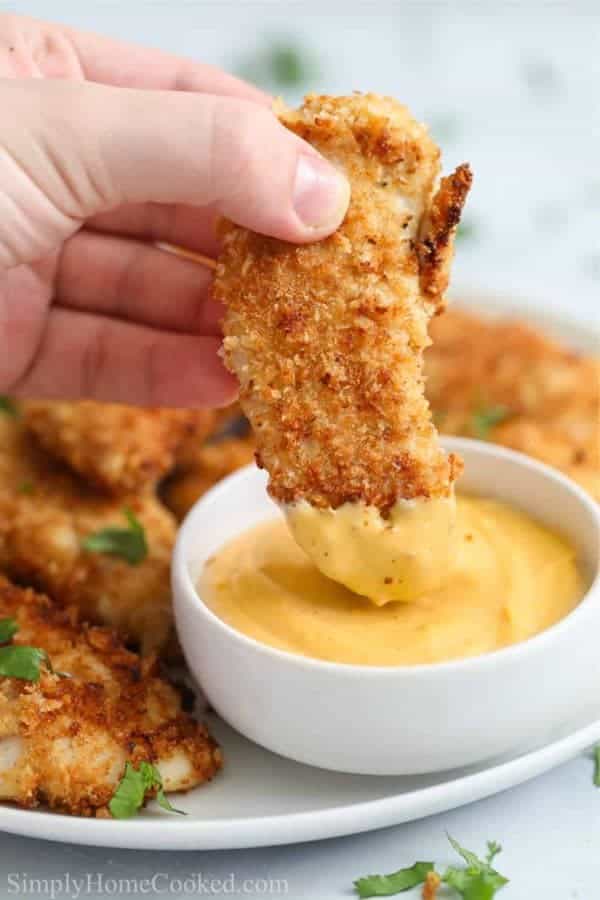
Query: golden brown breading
x,y
327,339
548,396
46,511
436,244
64,741
120,449
191,449
574,448
212,463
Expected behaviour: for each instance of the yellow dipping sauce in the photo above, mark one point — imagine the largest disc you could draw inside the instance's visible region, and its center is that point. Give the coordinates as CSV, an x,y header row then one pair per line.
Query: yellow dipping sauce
x,y
510,579
396,558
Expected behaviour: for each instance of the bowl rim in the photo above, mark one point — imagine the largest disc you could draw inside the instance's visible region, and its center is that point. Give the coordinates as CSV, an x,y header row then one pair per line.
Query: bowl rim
x,y
504,655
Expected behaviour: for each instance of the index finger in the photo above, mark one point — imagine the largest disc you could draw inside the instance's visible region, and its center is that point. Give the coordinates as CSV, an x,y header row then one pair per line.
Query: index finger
x,y
121,64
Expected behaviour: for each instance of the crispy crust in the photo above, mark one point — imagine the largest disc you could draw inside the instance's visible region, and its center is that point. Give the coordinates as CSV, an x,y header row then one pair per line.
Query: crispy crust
x,y
75,734
212,462
120,449
46,511
551,395
327,339
222,423
435,246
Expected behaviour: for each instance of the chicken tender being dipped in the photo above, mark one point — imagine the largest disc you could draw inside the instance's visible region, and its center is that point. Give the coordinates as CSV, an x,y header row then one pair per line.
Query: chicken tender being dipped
x,y
327,341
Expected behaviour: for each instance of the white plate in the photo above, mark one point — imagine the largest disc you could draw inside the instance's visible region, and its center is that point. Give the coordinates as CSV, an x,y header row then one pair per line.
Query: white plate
x,y
261,799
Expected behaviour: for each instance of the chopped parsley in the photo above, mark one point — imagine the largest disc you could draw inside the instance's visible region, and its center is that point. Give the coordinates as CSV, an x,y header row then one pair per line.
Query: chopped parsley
x,y
487,417
17,661
130,794
8,629
8,407
128,543
22,662
395,882
26,487
478,880
597,765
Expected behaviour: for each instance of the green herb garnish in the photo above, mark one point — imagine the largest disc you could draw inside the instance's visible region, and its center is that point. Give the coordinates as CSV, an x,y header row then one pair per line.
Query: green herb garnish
x,y
17,661
478,881
131,791
22,662
128,543
26,487
8,629
485,418
8,407
597,765
395,882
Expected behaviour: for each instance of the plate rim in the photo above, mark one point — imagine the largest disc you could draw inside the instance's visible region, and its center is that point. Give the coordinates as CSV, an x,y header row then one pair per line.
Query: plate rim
x,y
150,833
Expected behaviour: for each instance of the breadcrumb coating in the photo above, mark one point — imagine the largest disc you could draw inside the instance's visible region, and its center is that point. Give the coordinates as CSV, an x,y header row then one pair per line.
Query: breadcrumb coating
x,y
45,513
64,741
119,449
222,422
213,462
327,339
546,395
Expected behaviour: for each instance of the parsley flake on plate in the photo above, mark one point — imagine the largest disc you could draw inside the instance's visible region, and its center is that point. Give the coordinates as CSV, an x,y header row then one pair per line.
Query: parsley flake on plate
x,y
131,791
128,543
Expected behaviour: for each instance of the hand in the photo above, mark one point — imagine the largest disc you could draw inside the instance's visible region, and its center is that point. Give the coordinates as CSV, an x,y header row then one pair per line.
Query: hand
x,y
106,148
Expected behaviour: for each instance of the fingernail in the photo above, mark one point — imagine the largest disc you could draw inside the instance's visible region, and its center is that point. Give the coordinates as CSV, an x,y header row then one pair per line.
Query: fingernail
x,y
321,193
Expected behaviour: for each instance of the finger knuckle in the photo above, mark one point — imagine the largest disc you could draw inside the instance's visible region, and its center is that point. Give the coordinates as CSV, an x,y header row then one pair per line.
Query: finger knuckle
x,y
95,361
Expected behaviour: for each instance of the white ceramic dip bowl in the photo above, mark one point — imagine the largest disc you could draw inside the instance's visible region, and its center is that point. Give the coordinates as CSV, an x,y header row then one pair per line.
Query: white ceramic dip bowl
x,y
396,720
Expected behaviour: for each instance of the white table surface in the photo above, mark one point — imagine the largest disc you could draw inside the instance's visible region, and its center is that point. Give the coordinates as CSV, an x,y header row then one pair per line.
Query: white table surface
x,y
524,86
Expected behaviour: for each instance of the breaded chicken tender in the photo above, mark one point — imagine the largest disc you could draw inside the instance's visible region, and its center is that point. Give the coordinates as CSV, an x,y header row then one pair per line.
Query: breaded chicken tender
x,y
528,391
327,339
120,449
223,423
46,512
212,462
64,741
